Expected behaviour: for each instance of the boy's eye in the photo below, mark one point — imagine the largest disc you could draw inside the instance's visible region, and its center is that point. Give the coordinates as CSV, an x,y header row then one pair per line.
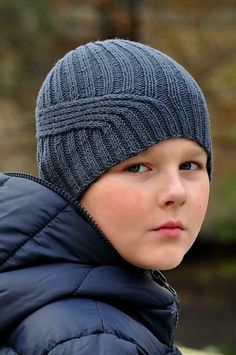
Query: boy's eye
x,y
137,168
189,165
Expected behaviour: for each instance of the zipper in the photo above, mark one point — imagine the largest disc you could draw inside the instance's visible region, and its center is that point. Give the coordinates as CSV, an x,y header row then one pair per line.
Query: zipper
x,y
176,320
65,195
161,280
87,216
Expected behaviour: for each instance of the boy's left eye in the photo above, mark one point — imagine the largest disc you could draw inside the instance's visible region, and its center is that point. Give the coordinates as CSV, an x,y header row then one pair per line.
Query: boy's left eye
x,y
137,168
189,165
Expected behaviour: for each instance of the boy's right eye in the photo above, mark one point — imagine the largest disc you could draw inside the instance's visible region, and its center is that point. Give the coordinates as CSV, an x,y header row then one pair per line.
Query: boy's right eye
x,y
137,168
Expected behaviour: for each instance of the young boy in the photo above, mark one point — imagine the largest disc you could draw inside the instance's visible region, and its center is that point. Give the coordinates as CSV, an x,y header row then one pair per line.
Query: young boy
x,y
125,159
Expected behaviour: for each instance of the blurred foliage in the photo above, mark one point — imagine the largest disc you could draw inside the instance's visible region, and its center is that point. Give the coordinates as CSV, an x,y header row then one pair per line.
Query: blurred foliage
x,y
208,351
25,47
201,35
188,351
205,282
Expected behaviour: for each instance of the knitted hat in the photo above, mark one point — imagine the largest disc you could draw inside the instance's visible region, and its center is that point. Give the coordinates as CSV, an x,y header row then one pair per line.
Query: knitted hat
x,y
105,102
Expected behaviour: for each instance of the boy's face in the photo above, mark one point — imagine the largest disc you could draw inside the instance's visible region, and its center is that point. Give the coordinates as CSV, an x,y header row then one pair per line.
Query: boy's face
x,y
166,184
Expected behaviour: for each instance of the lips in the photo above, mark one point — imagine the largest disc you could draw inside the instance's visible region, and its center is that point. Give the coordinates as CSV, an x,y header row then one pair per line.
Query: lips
x,y
171,225
170,229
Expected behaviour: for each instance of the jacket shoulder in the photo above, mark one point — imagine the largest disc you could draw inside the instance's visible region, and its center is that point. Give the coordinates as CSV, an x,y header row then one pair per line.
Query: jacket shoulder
x,y
72,325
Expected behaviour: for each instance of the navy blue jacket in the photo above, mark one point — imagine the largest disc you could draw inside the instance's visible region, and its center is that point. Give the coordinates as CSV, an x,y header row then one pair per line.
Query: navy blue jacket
x,y
65,290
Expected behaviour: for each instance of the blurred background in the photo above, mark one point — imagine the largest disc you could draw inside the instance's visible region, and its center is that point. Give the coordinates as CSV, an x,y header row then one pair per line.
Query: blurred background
x,y
201,35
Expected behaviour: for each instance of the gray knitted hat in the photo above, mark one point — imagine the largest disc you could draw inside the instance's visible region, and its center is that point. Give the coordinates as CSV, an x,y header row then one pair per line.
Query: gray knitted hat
x,y
105,102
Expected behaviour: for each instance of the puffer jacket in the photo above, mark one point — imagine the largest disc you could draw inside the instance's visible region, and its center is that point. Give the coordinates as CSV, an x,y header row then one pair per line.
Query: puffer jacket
x,y
65,290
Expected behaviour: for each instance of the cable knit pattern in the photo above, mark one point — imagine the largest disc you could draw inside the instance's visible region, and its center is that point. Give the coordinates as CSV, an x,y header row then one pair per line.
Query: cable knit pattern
x,y
107,101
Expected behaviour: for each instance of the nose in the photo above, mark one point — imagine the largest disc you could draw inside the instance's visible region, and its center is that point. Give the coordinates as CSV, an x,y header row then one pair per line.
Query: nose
x,y
172,191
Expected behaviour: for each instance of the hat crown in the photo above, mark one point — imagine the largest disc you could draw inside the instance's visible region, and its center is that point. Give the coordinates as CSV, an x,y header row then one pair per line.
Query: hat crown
x,y
112,67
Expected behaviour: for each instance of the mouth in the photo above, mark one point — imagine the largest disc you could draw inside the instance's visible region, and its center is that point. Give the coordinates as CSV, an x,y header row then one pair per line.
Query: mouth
x,y
170,229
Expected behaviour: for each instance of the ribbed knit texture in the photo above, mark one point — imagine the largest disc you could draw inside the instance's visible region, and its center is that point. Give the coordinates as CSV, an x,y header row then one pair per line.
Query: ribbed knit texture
x,y
107,101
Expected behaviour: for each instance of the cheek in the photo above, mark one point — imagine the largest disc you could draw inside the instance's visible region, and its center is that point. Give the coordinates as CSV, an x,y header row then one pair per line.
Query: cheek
x,y
122,206
201,195
118,206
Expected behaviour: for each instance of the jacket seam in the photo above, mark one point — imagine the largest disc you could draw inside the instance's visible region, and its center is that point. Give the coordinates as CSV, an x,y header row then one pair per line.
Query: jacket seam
x,y
30,238
78,287
100,313
98,333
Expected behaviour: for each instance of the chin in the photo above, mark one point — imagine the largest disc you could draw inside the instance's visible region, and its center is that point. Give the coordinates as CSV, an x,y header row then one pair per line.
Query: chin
x,y
165,265
168,264
169,267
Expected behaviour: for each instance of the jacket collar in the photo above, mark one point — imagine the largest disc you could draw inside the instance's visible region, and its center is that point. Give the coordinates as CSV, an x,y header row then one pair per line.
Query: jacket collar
x,y
46,227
